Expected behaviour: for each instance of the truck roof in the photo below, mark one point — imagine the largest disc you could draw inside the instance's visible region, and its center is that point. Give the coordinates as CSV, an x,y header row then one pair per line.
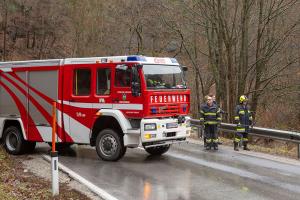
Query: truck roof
x,y
89,60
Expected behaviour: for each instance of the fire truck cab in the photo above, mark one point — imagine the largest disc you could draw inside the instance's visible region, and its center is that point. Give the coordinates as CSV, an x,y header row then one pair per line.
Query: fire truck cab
x,y
108,102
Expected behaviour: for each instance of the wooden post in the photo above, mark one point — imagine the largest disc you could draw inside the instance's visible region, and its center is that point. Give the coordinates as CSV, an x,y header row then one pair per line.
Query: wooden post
x,y
298,151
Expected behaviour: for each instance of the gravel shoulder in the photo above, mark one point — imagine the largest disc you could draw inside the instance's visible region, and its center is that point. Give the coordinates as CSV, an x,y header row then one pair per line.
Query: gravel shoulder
x,y
29,177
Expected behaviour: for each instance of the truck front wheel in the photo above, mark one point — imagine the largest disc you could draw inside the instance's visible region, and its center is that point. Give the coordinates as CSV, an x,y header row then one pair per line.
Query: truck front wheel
x,y
13,141
109,145
159,150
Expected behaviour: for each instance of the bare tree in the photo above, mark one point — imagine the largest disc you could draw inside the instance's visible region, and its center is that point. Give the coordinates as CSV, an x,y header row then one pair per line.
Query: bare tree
x,y
4,6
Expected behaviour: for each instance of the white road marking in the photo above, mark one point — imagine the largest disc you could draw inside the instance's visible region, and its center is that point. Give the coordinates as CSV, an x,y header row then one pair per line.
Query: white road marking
x,y
100,192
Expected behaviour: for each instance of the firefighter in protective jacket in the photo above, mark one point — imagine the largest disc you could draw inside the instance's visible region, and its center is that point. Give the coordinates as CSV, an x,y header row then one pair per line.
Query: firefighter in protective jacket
x,y
243,119
210,116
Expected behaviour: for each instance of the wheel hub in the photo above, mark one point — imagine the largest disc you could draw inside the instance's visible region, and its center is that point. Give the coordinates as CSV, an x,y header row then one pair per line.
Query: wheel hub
x,y
12,141
108,145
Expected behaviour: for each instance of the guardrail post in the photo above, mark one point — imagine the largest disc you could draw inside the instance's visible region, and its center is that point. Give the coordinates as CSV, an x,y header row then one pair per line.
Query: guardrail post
x,y
200,132
298,152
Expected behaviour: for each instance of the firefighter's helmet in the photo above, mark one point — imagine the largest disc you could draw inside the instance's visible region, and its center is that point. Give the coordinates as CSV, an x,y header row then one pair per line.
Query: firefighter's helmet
x,y
243,98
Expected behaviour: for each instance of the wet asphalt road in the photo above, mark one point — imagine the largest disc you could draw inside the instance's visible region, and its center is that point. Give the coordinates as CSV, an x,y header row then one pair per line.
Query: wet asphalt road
x,y
186,172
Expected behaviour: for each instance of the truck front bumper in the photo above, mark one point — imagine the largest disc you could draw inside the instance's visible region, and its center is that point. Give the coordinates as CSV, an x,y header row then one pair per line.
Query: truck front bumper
x,y
157,132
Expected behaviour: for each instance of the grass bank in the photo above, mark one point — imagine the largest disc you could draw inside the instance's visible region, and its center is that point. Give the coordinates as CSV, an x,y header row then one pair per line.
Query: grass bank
x,y
18,183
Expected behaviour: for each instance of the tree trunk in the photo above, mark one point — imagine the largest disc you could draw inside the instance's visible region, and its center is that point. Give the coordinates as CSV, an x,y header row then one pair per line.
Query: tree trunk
x,y
33,40
243,64
198,102
258,57
138,31
27,39
4,31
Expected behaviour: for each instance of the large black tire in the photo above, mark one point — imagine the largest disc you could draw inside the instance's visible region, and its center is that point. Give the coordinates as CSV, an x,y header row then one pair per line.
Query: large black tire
x,y
123,152
109,145
159,150
13,141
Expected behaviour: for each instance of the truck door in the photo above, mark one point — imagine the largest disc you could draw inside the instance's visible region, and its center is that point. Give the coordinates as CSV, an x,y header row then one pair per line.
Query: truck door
x,y
131,106
103,87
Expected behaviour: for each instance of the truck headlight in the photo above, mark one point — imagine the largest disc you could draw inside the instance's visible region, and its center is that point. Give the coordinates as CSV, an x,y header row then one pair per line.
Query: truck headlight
x,y
150,127
172,125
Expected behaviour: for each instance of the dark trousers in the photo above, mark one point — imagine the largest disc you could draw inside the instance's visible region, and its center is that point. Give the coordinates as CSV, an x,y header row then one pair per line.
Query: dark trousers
x,y
241,136
211,134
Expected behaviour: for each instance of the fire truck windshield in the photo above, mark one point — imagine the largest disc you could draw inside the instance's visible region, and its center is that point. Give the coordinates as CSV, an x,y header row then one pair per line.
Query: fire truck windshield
x,y
163,77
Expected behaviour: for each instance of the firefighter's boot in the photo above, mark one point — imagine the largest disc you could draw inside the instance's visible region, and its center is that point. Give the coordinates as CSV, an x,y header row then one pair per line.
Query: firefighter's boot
x,y
216,146
205,142
208,146
246,146
236,144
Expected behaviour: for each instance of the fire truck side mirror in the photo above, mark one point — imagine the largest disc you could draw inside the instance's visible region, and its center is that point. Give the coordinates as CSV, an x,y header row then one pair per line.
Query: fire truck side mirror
x,y
184,68
184,71
136,89
135,85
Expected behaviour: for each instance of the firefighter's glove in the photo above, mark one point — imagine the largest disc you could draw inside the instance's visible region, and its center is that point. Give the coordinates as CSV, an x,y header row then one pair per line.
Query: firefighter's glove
x,y
201,121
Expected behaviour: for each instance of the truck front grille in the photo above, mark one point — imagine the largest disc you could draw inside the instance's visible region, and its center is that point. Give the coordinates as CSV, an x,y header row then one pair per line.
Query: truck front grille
x,y
170,134
165,109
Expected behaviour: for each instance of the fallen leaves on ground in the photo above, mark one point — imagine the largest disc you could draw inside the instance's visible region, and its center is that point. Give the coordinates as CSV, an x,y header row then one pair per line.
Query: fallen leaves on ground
x,y
17,183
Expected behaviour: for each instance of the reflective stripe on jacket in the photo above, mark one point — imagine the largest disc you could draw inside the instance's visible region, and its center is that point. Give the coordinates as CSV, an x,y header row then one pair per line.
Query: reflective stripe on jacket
x,y
210,114
243,117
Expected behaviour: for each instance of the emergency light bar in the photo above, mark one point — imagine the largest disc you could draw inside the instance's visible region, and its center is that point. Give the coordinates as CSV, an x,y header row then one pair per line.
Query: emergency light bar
x,y
140,59
136,58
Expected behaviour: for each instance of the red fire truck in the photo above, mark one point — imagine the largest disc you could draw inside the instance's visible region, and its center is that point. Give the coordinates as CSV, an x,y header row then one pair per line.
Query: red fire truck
x,y
108,102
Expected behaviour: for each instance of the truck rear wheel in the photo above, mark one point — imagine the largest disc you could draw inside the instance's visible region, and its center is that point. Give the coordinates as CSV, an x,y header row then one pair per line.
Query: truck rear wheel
x,y
13,141
159,150
109,145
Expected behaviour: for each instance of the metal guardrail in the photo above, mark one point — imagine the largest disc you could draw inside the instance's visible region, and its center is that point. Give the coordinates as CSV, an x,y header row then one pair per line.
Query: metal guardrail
x,y
275,134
